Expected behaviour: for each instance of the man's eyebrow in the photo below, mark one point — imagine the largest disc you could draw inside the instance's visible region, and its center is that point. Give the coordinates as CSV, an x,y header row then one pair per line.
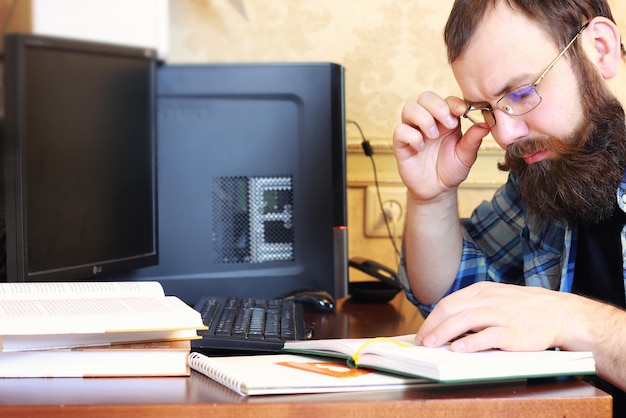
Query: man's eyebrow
x,y
517,81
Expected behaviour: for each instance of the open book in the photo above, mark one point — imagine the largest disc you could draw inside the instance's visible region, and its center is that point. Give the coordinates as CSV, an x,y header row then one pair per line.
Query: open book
x,y
35,316
401,356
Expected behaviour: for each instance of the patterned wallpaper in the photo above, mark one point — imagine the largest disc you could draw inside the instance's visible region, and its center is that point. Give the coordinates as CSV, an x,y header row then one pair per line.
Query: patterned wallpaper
x,y
392,50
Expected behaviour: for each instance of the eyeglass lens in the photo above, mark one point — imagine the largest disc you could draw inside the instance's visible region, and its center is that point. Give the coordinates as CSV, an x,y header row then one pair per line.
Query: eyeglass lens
x,y
482,117
520,101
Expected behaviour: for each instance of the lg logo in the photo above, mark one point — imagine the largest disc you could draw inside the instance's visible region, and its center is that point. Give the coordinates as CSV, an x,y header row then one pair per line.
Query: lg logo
x,y
97,270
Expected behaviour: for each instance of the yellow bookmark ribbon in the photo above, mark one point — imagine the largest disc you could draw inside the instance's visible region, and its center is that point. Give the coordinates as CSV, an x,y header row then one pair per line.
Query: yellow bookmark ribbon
x,y
353,361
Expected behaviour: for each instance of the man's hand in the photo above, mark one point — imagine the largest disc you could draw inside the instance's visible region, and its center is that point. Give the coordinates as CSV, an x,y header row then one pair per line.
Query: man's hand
x,y
432,154
520,318
493,315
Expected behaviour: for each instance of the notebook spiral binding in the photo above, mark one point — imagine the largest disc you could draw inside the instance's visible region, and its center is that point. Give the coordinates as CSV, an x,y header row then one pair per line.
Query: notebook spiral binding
x,y
206,366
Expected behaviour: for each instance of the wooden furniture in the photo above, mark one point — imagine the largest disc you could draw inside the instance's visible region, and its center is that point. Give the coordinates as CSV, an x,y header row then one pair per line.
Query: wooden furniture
x,y
198,396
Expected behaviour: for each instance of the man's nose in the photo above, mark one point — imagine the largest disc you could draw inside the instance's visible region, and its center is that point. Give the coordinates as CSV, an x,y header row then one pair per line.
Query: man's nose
x,y
508,128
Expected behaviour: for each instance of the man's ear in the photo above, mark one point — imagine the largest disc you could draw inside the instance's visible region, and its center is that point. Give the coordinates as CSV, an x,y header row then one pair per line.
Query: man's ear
x,y
603,45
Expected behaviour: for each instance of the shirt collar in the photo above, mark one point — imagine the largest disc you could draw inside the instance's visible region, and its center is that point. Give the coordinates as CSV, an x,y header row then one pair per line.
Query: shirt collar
x,y
621,193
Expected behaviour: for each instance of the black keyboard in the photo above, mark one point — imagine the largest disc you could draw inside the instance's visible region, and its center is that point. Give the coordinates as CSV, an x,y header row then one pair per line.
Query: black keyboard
x,y
238,324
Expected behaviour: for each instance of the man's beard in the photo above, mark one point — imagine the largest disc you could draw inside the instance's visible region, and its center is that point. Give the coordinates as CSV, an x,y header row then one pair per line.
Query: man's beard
x,y
580,184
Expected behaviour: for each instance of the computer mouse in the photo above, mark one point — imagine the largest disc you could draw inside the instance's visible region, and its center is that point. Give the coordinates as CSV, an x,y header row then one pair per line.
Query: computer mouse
x,y
312,300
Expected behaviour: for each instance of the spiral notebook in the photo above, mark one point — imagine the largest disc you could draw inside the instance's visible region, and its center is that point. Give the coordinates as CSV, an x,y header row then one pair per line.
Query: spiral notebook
x,y
287,374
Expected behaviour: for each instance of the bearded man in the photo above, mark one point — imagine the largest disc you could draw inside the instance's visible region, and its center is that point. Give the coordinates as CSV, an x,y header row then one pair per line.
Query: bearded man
x,y
542,264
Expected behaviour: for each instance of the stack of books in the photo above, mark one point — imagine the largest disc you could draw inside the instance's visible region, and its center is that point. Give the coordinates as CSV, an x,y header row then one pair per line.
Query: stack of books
x,y
92,329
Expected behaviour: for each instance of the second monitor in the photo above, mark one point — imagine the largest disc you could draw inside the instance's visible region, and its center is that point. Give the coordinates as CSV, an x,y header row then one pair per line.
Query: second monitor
x,y
252,181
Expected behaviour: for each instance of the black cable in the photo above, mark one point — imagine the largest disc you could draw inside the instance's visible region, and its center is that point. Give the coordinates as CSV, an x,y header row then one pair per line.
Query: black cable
x,y
369,152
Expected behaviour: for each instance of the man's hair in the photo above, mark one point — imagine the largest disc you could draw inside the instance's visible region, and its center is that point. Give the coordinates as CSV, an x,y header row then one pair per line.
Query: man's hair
x,y
561,19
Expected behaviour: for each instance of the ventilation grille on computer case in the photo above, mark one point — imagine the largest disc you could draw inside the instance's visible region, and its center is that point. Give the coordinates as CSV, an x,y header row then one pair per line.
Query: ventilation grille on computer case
x,y
252,219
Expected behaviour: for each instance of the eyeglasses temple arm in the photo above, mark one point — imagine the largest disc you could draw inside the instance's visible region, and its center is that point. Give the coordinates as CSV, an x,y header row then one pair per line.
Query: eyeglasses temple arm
x,y
554,61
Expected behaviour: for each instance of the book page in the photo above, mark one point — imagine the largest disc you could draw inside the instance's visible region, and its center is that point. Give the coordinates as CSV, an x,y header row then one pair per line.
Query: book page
x,y
343,347
347,347
78,290
50,316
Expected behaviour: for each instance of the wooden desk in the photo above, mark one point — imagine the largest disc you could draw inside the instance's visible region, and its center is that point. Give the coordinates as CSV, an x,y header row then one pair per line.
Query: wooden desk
x,y
198,396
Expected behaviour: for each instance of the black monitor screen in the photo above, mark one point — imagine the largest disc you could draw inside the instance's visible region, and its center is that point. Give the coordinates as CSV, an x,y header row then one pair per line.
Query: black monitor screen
x,y
79,158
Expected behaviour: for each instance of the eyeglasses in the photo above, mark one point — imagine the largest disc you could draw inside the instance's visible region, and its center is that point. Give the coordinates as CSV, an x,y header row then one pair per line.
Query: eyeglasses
x,y
516,102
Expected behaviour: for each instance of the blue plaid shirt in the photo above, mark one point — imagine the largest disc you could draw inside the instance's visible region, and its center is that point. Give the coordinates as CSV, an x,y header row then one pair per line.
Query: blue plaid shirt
x,y
499,245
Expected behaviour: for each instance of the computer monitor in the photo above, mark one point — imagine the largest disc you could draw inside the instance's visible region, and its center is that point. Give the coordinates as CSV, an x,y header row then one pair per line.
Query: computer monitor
x,y
252,180
79,158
